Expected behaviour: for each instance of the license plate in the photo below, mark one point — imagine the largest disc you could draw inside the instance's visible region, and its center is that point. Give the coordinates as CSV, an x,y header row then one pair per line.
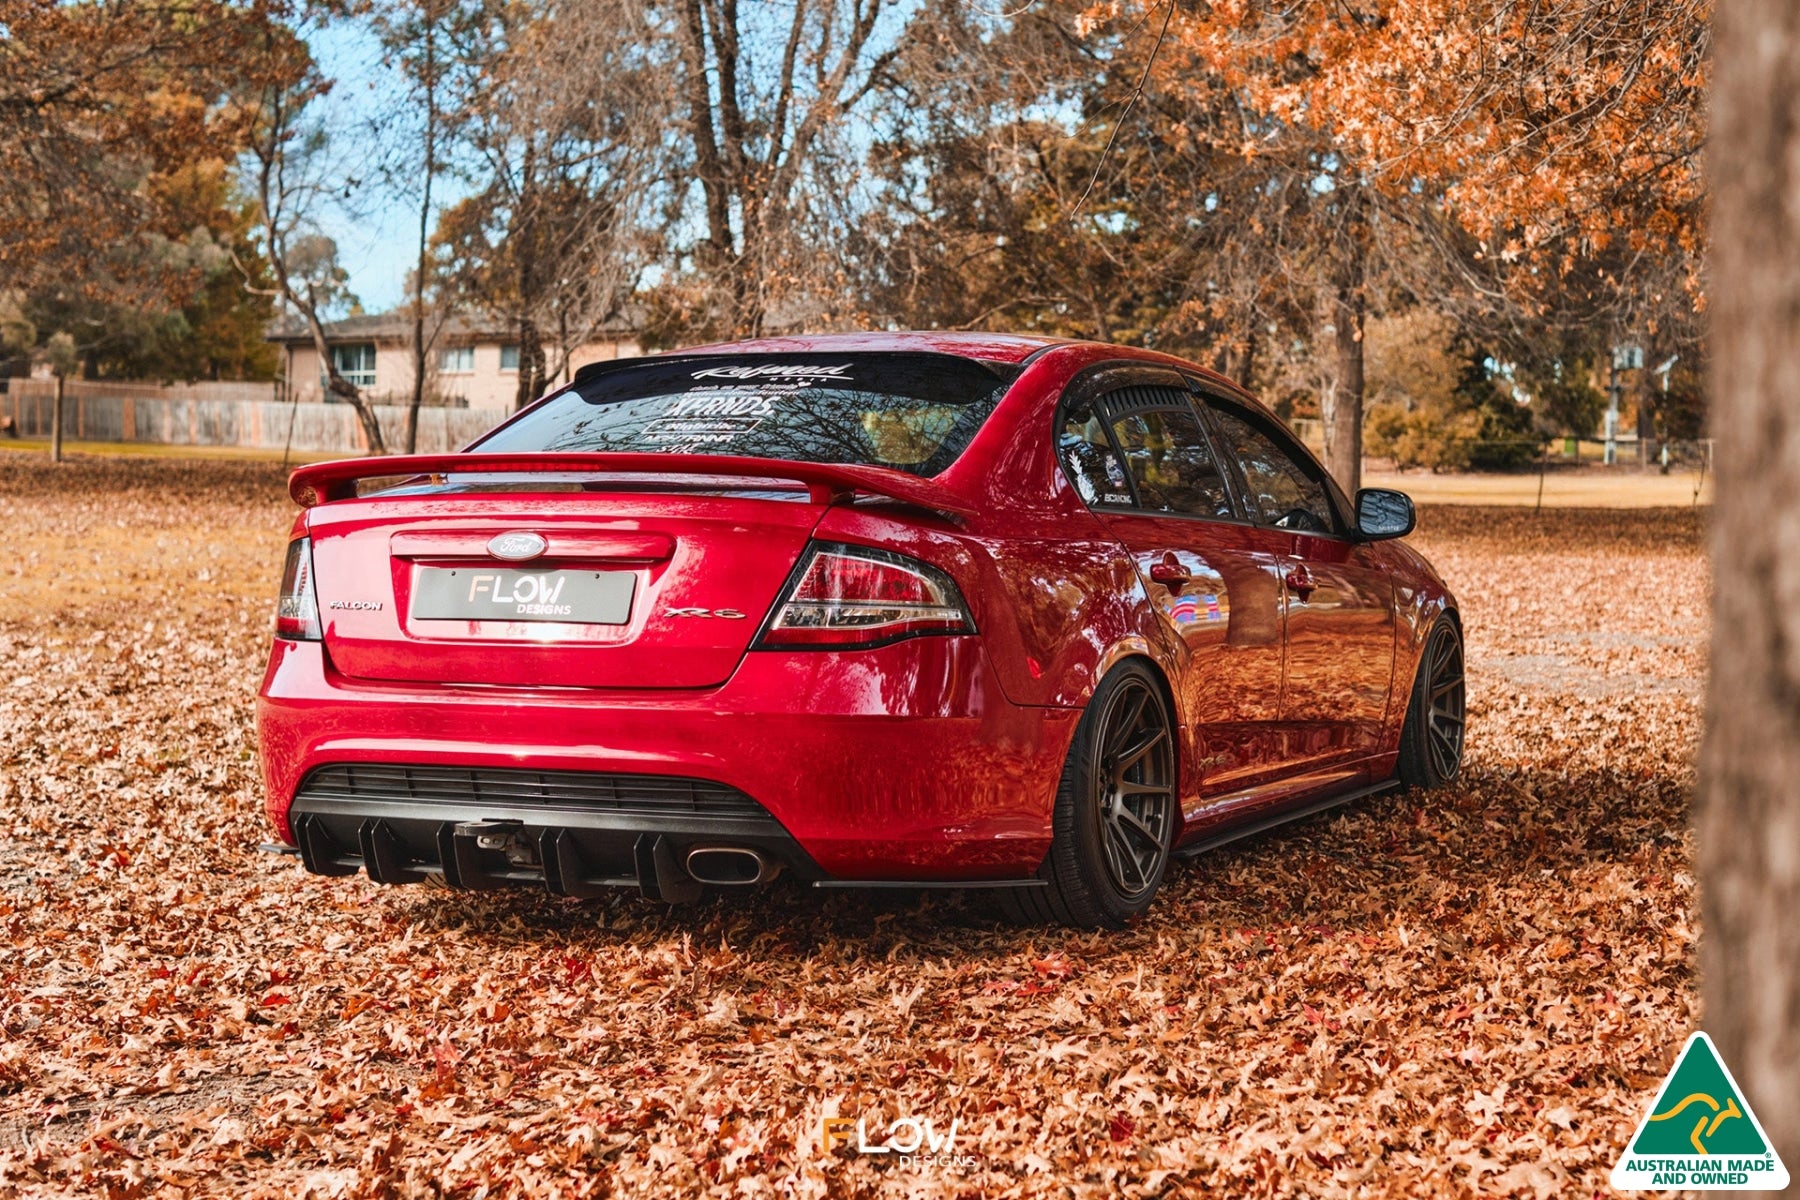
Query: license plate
x,y
575,597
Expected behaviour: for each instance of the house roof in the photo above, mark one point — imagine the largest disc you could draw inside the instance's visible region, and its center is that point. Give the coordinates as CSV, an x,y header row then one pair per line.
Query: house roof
x,y
397,326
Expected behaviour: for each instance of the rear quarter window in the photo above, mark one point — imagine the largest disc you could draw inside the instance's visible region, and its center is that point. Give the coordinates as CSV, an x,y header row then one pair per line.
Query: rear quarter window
x,y
1089,459
911,412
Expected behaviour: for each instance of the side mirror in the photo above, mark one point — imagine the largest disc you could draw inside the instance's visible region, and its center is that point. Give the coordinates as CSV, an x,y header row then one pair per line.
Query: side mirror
x,y
1384,513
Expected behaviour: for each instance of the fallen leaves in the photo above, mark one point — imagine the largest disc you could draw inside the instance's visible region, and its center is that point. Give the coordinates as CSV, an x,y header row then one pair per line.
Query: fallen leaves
x,y
1448,994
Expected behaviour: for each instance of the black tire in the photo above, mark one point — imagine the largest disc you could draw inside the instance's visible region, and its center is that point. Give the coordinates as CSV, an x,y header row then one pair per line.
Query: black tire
x,y
1116,810
1431,741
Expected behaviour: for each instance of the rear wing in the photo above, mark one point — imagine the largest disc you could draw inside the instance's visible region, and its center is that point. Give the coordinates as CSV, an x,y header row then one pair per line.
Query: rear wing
x,y
825,483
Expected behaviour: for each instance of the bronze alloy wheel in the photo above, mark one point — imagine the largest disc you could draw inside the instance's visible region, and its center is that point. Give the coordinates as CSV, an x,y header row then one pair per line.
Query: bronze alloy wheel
x,y
1431,742
1135,786
1116,810
1444,721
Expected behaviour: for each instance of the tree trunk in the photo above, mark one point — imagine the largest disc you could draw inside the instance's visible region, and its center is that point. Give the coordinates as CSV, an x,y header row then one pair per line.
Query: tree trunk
x,y
336,384
1239,359
1343,426
1747,814
420,349
56,424
531,364
418,391
350,394
1645,395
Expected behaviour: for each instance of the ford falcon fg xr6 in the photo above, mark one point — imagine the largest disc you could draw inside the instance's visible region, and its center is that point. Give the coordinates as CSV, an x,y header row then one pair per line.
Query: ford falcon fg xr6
x,y
875,610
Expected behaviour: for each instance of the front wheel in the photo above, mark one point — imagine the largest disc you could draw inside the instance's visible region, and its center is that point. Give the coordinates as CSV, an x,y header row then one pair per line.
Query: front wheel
x,y
1431,741
1115,810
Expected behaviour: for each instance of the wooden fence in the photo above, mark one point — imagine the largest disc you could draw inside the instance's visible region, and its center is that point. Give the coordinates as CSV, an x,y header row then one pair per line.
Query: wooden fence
x,y
230,414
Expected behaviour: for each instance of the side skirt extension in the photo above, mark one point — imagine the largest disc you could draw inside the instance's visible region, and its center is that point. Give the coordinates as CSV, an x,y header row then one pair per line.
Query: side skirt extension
x,y
1283,818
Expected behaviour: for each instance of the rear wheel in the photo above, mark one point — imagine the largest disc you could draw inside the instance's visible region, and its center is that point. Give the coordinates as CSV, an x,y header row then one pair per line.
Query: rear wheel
x,y
1115,810
1431,742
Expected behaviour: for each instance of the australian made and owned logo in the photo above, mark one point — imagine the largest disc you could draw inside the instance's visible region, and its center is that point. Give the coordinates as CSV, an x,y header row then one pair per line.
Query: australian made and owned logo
x,y
1700,1133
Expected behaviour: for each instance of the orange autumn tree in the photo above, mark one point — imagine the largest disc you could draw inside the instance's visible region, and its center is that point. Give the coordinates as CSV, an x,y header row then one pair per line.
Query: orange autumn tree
x,y
1550,136
98,101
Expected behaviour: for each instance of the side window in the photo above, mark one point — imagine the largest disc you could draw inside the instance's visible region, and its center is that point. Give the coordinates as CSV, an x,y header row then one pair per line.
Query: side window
x,y
1169,457
1282,487
1088,457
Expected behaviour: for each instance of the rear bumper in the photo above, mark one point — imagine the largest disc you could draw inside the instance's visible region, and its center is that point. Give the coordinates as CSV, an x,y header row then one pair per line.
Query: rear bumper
x,y
904,762
575,833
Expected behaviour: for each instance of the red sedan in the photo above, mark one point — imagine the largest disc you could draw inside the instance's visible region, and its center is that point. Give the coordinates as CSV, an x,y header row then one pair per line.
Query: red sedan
x,y
887,610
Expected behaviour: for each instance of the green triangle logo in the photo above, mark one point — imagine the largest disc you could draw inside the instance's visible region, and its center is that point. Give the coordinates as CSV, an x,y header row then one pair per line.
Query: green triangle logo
x,y
1700,1133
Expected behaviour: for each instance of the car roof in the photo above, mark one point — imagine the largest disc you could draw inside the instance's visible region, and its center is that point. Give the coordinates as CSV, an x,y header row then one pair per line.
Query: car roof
x,y
990,347
1008,348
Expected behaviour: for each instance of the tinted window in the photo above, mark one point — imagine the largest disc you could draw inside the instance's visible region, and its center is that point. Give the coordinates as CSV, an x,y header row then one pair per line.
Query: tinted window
x,y
1089,459
912,412
1282,487
1169,458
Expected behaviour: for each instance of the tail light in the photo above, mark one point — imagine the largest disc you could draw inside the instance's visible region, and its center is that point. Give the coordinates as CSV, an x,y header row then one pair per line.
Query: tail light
x,y
297,608
860,596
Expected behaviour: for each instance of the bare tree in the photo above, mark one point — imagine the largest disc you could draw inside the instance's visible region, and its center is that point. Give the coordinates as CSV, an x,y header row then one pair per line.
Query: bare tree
x,y
565,112
755,128
413,33
290,176
1748,814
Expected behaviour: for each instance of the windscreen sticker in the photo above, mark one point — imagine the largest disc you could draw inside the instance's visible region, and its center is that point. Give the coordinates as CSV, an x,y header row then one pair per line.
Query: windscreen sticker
x,y
721,404
698,429
773,371
707,417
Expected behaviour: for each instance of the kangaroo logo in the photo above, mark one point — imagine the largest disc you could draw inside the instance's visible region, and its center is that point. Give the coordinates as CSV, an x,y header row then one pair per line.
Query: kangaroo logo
x,y
1709,1122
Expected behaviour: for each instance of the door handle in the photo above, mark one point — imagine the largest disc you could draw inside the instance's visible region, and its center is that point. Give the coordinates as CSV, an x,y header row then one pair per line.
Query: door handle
x,y
1170,574
1300,582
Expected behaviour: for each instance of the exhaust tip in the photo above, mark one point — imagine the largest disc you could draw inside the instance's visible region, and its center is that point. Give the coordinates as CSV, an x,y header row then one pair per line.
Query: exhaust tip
x,y
729,866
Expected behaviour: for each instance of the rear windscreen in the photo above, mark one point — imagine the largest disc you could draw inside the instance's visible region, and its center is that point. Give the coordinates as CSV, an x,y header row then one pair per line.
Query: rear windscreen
x,y
912,412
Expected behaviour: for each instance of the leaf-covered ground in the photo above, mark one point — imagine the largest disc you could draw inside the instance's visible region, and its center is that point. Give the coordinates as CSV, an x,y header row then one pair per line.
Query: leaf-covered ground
x,y
1431,995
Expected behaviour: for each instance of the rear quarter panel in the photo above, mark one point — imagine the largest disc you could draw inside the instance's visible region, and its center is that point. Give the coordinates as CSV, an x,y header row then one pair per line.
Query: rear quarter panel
x,y
1060,599
1420,597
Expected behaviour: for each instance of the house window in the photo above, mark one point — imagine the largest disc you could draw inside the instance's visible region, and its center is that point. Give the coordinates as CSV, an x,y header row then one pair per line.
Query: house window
x,y
356,363
509,358
457,360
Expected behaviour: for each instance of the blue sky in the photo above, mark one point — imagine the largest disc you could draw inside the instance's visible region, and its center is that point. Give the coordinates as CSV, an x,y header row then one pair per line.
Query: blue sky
x,y
377,230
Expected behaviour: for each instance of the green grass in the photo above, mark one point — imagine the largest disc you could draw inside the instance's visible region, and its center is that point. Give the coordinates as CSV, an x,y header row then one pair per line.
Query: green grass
x,y
161,450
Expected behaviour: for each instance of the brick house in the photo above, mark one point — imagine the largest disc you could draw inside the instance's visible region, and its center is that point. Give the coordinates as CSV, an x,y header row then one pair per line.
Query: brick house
x,y
473,363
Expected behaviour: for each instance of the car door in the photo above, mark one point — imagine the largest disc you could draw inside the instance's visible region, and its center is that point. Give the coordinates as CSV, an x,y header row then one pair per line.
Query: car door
x,y
1338,606
1141,458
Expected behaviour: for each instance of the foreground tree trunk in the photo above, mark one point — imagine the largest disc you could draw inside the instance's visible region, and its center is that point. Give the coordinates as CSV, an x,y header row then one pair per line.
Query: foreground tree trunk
x,y
1748,810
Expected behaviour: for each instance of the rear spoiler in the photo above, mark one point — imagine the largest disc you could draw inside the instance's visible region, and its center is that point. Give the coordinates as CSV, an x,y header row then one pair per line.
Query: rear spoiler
x,y
826,483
